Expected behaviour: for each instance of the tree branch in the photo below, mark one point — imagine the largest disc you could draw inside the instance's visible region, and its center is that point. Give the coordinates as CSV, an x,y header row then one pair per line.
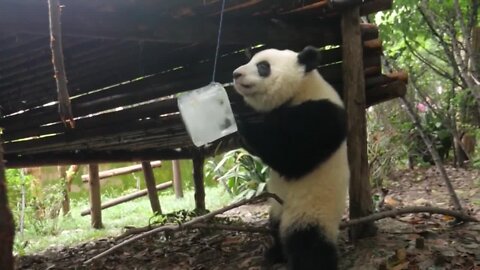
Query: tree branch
x,y
466,33
427,17
452,129
186,224
434,152
409,210
432,66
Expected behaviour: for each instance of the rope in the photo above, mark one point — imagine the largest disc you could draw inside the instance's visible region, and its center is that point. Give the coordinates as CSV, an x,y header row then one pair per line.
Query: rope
x,y
218,41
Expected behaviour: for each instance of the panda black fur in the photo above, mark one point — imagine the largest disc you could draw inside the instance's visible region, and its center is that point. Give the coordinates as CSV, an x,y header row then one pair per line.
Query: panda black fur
x,y
301,136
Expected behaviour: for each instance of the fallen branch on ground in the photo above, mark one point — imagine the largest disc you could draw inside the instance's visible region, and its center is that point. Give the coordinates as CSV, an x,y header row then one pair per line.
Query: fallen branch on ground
x,y
237,228
199,222
409,210
187,224
210,226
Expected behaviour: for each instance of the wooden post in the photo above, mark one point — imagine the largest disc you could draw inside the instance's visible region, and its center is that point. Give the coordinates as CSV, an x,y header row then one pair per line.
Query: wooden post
x,y
151,189
95,201
7,229
66,200
177,179
198,161
354,97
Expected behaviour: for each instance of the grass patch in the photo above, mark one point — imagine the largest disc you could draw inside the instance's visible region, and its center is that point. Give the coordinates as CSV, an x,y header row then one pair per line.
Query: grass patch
x,y
74,229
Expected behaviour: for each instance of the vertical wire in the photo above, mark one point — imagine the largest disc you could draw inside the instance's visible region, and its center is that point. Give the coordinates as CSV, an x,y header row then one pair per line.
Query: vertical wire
x,y
218,41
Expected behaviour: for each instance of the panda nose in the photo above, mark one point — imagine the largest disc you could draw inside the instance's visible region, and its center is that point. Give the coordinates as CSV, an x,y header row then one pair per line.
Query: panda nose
x,y
237,75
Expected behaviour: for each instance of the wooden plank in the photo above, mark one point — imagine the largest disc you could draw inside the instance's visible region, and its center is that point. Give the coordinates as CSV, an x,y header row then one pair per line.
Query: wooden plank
x,y
355,101
386,92
17,126
56,44
375,6
139,26
177,179
198,163
7,229
122,170
122,155
128,197
90,156
151,189
95,200
93,69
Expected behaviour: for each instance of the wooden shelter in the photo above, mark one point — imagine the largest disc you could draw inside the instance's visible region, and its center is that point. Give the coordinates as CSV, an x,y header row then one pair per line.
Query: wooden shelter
x,y
126,59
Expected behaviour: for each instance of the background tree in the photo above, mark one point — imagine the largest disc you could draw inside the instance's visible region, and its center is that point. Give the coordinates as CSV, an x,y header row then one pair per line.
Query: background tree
x,y
437,42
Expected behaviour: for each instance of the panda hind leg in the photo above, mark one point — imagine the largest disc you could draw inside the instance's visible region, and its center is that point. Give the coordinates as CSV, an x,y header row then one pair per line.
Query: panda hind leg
x,y
308,248
274,253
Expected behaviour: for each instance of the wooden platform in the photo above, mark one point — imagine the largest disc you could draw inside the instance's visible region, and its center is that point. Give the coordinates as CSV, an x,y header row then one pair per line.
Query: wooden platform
x,y
126,59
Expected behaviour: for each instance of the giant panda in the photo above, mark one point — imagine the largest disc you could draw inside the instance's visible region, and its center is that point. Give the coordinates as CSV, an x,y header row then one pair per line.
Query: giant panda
x,y
300,133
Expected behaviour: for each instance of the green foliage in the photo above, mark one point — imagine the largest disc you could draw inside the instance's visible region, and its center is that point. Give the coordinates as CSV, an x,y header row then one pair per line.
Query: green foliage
x,y
176,217
47,209
74,229
421,38
42,204
385,143
15,181
242,174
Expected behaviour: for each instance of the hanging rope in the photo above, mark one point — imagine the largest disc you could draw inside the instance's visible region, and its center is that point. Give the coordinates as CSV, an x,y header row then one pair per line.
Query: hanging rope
x,y
218,41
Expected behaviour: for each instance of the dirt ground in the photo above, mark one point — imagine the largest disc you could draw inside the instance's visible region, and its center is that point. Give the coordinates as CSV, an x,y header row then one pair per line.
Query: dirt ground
x,y
419,241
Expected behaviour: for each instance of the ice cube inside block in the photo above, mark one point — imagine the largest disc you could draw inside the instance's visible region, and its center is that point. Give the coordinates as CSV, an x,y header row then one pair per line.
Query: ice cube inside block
x,y
207,114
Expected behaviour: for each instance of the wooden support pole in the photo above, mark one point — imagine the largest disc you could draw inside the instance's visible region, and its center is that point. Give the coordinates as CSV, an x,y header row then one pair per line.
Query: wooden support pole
x,y
177,179
7,229
62,170
128,197
95,201
64,107
354,96
150,184
198,162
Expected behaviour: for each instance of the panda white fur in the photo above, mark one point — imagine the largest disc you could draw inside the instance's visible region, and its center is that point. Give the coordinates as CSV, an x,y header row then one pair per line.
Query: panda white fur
x,y
301,136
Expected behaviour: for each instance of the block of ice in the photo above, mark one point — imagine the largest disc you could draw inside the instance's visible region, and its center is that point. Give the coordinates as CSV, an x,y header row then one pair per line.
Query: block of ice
x,y
207,113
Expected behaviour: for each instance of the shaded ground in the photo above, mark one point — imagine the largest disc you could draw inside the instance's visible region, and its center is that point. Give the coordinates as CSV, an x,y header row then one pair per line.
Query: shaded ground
x,y
444,246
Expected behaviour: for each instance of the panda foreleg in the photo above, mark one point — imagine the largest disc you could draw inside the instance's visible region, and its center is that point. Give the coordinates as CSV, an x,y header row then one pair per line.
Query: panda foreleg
x,y
307,247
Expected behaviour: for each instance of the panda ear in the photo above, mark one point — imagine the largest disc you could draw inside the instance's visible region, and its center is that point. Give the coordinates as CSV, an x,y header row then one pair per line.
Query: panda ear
x,y
309,57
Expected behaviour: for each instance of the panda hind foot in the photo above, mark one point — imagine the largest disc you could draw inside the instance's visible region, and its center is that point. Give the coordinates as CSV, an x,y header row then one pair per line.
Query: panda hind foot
x,y
308,248
274,255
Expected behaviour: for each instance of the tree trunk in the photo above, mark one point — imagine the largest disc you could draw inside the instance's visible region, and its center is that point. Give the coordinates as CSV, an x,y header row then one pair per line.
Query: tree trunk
x,y
7,228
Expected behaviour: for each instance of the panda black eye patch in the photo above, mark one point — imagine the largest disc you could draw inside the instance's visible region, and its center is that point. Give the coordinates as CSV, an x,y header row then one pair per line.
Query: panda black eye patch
x,y
263,68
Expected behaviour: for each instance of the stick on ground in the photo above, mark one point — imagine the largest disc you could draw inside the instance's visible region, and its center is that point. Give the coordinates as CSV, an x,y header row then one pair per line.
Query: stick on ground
x,y
186,224
408,210
199,222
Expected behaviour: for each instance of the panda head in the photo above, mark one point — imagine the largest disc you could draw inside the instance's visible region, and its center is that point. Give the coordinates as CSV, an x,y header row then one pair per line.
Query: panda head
x,y
273,77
